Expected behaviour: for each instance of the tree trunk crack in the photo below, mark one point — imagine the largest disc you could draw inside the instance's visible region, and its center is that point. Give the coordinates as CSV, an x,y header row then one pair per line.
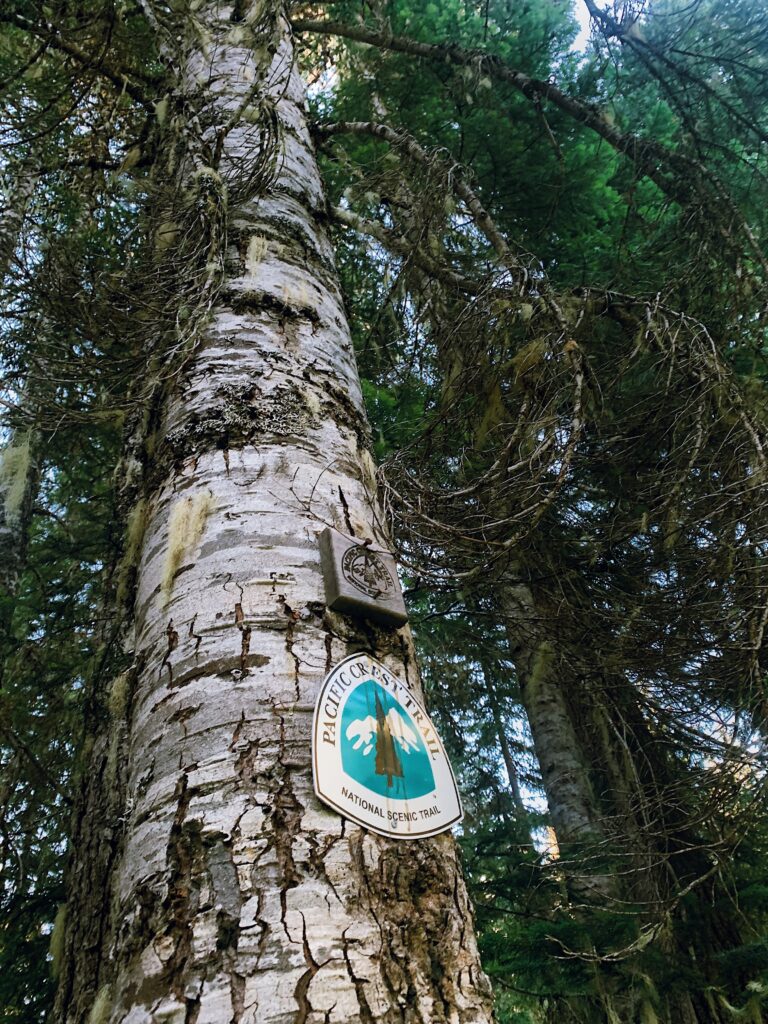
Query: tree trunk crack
x,y
347,519
173,643
366,1016
302,985
245,639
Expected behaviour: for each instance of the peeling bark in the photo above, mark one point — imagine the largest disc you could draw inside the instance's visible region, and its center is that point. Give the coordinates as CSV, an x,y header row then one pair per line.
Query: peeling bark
x,y
234,895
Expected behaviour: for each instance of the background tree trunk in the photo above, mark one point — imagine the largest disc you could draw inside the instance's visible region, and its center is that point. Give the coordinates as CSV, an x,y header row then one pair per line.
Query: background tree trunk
x,y
19,476
19,455
540,664
233,894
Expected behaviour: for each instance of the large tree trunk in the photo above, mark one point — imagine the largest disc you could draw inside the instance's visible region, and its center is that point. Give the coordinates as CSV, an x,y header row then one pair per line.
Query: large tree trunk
x,y
226,892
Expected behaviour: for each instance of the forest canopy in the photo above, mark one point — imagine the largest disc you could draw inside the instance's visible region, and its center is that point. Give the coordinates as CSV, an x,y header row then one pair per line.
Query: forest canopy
x,y
550,227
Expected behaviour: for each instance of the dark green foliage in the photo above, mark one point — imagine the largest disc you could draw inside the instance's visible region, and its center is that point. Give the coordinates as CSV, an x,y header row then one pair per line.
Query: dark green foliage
x,y
54,635
642,568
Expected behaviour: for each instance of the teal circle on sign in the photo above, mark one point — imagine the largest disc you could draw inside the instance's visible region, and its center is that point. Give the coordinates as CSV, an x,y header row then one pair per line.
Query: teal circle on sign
x,y
381,747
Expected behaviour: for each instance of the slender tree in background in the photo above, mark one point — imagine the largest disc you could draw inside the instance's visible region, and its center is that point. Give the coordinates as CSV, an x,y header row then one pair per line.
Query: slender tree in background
x,y
556,279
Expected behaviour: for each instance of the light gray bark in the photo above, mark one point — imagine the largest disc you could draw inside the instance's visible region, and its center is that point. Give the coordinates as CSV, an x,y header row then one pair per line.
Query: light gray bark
x,y
18,457
235,895
18,487
543,673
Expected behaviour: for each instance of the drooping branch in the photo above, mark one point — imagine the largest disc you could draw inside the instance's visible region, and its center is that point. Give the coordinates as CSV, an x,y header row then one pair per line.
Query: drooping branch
x,y
681,178
38,768
398,245
647,154
122,81
644,49
403,141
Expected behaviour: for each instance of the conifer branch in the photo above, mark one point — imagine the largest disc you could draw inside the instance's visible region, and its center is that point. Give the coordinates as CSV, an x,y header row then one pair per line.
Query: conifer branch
x,y
681,178
53,38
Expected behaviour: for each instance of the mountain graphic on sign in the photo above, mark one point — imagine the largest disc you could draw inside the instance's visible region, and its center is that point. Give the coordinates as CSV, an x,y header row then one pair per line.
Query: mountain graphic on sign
x,y
365,730
383,749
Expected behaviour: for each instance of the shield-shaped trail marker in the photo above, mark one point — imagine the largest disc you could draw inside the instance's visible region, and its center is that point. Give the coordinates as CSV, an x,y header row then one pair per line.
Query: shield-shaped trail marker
x,y
377,757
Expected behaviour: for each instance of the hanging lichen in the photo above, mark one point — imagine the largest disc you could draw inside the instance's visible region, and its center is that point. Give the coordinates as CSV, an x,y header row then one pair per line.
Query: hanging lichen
x,y
15,463
102,1006
134,536
118,696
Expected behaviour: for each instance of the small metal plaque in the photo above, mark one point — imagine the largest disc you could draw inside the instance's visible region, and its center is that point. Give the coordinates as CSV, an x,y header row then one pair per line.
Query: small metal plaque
x,y
361,580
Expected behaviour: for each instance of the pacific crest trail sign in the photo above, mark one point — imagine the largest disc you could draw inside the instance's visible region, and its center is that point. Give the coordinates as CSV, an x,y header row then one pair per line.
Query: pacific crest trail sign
x,y
376,756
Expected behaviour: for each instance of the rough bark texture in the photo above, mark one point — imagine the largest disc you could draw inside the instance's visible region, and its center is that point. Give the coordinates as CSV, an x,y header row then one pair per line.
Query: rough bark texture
x,y
235,896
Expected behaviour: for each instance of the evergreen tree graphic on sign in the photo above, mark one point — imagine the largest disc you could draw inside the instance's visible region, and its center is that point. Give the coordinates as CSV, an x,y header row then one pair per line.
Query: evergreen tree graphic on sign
x,y
387,759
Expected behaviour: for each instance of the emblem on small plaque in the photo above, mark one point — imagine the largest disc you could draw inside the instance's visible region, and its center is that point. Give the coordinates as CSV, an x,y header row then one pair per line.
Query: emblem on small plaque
x,y
361,580
365,569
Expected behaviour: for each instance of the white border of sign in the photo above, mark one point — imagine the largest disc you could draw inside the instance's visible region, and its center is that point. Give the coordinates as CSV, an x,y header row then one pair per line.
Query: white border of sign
x,y
400,819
